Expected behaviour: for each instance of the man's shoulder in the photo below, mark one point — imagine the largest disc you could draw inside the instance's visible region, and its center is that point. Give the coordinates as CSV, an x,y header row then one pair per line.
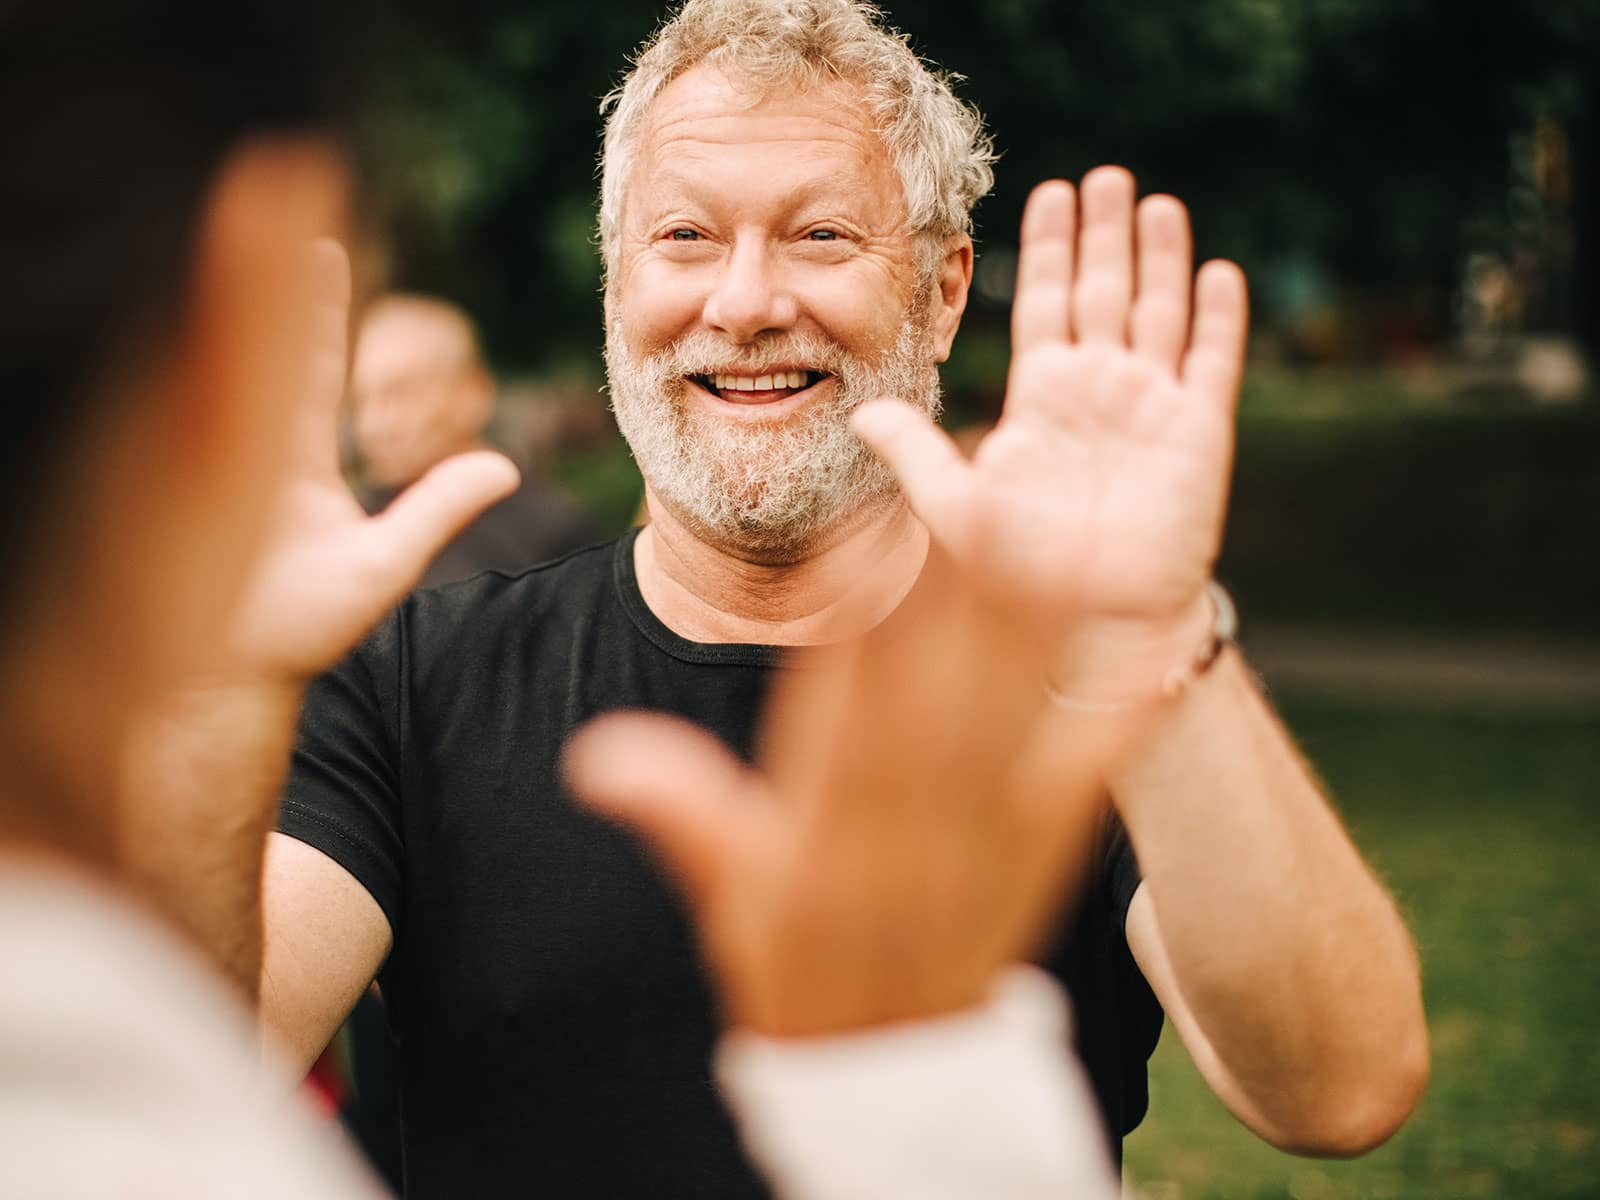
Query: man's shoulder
x,y
494,605
586,568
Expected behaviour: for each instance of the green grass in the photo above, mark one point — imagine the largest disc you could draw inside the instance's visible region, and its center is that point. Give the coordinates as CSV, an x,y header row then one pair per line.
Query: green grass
x,y
1463,521
1486,829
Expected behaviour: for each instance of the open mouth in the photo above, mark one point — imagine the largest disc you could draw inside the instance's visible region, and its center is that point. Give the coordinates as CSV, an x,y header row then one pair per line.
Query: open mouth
x,y
759,389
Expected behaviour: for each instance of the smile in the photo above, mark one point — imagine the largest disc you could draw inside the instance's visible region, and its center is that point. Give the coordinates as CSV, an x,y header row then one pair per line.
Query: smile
x,y
766,388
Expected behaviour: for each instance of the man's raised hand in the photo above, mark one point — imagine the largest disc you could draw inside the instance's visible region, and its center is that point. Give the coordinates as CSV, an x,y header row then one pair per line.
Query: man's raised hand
x,y
329,571
1100,494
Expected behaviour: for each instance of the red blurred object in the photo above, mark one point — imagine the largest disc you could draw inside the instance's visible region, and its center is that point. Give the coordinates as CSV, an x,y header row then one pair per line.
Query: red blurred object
x,y
326,1083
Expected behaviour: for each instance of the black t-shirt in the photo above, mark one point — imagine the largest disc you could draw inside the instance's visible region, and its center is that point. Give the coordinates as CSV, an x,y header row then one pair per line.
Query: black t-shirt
x,y
554,1024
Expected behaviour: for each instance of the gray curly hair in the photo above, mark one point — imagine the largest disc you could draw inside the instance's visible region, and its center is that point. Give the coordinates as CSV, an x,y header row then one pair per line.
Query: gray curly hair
x,y
936,141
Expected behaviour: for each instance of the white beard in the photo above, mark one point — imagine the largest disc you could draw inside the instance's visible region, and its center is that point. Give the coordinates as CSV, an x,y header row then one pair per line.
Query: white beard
x,y
768,489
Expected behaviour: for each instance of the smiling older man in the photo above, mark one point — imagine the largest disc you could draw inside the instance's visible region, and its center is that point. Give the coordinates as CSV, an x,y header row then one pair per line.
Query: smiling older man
x,y
785,218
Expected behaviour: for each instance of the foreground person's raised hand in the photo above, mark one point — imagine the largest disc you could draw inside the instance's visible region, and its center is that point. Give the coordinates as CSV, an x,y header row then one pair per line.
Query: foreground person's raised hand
x,y
1100,493
905,839
330,571
203,777
1097,503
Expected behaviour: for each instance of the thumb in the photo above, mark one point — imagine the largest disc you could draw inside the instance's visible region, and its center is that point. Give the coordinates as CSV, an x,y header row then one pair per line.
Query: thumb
x,y
935,475
423,519
675,784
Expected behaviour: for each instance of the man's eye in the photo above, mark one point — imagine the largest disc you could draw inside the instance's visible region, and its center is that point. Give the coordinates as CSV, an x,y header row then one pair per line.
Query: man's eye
x,y
685,235
823,235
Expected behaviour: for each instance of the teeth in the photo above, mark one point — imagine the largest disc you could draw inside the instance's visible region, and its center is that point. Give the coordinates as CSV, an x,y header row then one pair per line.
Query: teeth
x,y
761,383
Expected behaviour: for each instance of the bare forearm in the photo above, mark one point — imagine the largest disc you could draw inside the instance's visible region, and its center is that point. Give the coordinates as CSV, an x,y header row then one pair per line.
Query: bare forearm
x,y
1290,958
204,780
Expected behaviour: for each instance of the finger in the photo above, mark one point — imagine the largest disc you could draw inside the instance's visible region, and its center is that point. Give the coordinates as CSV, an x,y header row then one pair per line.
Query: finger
x,y
1104,286
1060,807
331,267
1041,309
1215,362
1160,324
935,706
952,666
936,477
676,784
1058,793
928,632
422,520
327,355
842,716
807,724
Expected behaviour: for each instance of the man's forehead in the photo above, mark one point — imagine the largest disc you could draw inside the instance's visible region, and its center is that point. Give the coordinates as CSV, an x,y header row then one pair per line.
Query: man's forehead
x,y
708,142
393,341
703,110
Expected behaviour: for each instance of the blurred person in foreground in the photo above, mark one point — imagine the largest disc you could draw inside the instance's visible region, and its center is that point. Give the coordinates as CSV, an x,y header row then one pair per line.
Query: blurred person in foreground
x,y
155,213
785,220
171,314
421,392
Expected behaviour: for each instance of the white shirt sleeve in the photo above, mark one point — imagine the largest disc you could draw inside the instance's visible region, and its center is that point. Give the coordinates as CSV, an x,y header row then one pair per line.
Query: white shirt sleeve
x,y
128,1069
991,1102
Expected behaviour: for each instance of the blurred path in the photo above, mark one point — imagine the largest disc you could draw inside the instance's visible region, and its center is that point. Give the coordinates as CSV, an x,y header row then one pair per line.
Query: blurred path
x,y
1444,669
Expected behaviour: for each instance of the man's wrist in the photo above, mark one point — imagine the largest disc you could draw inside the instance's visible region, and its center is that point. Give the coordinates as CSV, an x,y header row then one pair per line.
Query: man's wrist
x,y
1109,664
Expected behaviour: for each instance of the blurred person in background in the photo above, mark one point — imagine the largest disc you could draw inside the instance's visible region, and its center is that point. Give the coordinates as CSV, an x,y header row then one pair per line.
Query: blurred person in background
x,y
420,392
168,311
785,219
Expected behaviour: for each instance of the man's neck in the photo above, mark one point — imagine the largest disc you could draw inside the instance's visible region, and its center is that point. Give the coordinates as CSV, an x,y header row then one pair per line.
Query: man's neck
x,y
847,585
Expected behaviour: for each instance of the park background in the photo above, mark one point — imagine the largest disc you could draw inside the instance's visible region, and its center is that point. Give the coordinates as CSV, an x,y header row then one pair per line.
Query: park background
x,y
1413,187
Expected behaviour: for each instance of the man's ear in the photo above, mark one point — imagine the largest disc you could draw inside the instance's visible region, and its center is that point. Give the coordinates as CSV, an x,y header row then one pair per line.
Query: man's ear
x,y
949,299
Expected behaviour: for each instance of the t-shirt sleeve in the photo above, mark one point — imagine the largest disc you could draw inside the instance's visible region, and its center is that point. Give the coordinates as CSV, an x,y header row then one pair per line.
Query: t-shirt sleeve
x,y
1141,1015
343,792
1120,871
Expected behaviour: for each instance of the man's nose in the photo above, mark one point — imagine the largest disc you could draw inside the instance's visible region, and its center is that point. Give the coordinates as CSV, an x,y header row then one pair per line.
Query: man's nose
x,y
750,297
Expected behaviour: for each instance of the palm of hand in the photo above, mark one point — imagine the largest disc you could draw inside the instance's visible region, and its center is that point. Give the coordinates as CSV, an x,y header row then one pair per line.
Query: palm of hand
x,y
908,834
1101,491
307,602
328,571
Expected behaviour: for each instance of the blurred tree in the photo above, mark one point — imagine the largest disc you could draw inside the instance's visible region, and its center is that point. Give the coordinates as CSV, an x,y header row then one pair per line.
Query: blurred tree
x,y
1352,147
